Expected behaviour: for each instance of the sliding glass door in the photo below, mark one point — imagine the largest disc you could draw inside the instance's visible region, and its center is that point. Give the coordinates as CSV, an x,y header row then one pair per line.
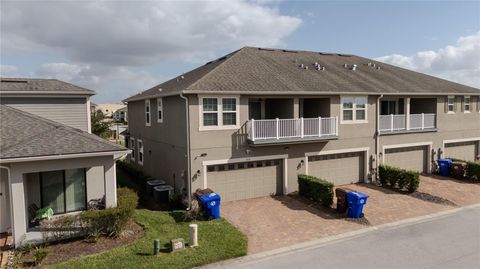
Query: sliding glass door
x,y
63,190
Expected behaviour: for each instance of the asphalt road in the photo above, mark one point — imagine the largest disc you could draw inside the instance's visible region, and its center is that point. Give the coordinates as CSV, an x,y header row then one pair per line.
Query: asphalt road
x,y
450,241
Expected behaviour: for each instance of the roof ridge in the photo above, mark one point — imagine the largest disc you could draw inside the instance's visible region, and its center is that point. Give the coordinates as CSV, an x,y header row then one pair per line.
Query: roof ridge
x,y
228,56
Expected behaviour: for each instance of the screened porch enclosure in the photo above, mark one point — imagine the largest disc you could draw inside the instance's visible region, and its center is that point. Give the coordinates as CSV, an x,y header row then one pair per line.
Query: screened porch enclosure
x,y
62,190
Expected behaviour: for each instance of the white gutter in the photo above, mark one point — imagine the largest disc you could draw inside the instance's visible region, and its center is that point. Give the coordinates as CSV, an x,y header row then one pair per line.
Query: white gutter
x,y
377,137
117,154
189,178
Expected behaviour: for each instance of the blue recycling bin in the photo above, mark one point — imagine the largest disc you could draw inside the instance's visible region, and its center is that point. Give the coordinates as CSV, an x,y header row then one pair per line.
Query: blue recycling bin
x,y
211,205
444,166
355,202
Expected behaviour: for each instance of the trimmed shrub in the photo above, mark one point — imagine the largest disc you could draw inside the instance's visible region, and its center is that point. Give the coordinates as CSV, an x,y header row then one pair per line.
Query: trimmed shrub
x,y
111,221
457,169
473,170
395,177
316,189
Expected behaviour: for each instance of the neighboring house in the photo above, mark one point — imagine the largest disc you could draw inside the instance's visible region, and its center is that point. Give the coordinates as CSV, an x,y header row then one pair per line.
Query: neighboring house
x,y
248,123
49,98
50,164
93,107
121,114
108,110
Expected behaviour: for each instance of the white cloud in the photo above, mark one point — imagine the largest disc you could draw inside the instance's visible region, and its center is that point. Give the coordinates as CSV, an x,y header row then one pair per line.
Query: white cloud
x,y
8,70
112,84
459,62
135,33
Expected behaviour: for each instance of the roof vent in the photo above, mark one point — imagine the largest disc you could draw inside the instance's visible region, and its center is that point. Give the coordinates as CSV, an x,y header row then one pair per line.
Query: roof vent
x,y
345,65
306,67
378,67
14,81
354,67
302,66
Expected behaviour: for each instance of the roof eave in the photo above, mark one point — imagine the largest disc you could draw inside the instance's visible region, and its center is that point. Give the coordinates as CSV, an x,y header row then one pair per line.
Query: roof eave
x,y
323,93
84,93
116,154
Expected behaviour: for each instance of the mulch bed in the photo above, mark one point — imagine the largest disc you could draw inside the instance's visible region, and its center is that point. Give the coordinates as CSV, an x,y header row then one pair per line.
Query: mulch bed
x,y
61,252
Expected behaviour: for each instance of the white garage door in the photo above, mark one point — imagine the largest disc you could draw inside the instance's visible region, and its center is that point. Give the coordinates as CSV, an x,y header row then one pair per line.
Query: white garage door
x,y
339,169
409,158
246,180
462,150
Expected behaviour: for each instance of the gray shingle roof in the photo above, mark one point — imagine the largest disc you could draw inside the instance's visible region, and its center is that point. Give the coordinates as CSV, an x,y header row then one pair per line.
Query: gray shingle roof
x,y
26,135
258,71
31,85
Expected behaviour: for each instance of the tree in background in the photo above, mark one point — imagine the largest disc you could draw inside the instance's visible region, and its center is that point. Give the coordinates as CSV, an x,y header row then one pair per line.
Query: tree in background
x,y
100,126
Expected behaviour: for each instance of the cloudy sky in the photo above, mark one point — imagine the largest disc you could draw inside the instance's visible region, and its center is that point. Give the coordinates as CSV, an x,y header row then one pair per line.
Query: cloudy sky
x,y
119,48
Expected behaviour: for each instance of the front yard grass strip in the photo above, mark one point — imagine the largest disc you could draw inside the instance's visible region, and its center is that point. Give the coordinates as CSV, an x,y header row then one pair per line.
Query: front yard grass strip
x,y
218,240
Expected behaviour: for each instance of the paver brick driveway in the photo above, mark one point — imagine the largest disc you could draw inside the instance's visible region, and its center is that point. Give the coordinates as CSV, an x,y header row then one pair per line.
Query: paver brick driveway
x,y
274,222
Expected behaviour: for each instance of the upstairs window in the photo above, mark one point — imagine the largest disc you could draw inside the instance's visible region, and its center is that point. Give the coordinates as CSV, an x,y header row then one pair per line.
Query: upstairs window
x,y
218,113
451,104
466,104
147,113
354,109
159,110
140,152
132,147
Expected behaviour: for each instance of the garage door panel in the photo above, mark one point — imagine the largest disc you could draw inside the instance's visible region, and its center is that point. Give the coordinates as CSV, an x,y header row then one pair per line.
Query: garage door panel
x,y
462,150
409,158
338,168
245,180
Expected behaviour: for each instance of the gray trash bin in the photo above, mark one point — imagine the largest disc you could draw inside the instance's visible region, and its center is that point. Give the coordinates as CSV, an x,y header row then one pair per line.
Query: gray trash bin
x,y
152,183
162,193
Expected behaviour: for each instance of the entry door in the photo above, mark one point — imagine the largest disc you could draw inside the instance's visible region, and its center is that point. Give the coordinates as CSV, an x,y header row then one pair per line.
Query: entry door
x,y
4,201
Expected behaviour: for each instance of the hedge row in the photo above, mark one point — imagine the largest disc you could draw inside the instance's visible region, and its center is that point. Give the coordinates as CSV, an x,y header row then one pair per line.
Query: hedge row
x,y
398,178
94,223
470,171
316,189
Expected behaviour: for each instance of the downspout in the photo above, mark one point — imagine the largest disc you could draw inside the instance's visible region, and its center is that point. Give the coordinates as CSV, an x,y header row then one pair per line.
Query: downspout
x,y
377,137
189,179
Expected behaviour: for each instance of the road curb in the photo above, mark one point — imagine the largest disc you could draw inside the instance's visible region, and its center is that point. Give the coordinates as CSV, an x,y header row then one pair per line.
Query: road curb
x,y
337,238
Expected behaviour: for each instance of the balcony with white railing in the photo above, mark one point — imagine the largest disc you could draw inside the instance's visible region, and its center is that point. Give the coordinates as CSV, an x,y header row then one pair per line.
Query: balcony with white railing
x,y
274,131
403,123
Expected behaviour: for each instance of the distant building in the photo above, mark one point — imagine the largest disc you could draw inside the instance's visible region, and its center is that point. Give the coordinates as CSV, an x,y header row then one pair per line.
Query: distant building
x,y
109,109
121,114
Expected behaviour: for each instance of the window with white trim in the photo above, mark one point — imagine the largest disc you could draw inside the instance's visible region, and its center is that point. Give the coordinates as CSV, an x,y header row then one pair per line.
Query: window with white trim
x,y
466,104
159,110
218,112
140,151
147,113
451,104
354,109
132,147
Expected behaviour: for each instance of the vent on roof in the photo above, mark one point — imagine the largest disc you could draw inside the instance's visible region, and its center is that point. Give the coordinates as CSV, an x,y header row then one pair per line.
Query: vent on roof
x,y
354,67
344,55
345,65
325,53
291,51
266,49
14,81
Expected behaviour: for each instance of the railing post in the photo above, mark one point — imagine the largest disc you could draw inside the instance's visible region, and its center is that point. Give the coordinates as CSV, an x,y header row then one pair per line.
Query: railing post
x,y
252,129
278,123
301,127
423,121
391,122
336,125
319,126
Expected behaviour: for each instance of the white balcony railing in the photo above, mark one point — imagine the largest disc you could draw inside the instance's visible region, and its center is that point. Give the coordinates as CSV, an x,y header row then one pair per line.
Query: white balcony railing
x,y
393,123
292,128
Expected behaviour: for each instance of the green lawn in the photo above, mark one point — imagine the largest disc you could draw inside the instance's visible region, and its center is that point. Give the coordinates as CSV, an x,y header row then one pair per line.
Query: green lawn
x,y
218,240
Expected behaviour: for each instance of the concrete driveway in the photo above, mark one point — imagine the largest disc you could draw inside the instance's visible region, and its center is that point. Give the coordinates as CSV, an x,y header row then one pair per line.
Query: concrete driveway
x,y
279,221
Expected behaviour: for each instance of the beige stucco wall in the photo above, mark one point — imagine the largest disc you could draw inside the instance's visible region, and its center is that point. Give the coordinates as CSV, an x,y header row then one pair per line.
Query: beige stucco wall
x,y
22,185
228,144
164,143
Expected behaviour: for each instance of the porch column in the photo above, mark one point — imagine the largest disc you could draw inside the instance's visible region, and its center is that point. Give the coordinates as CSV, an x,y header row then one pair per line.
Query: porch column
x,y
407,112
110,184
296,108
262,109
18,208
